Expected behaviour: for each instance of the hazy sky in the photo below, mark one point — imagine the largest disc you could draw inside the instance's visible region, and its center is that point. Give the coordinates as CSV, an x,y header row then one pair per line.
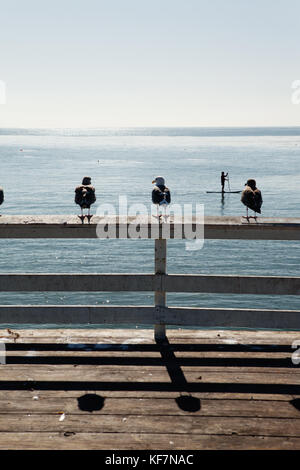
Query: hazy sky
x,y
99,63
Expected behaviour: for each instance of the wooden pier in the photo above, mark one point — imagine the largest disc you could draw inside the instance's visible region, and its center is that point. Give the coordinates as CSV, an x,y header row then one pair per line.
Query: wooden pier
x,y
119,389
131,389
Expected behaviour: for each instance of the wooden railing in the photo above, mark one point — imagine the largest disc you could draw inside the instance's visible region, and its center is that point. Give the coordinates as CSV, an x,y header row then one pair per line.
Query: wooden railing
x,y
158,282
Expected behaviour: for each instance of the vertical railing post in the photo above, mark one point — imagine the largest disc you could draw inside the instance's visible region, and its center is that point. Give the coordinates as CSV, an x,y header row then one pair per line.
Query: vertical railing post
x,y
160,296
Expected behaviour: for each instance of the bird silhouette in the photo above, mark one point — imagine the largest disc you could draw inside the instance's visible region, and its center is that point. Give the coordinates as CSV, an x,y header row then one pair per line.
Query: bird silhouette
x,y
161,195
1,196
251,198
85,196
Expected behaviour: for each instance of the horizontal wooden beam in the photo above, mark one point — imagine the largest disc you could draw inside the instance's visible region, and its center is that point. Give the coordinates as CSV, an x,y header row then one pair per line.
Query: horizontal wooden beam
x,y
147,315
76,314
232,284
198,283
79,282
231,318
69,226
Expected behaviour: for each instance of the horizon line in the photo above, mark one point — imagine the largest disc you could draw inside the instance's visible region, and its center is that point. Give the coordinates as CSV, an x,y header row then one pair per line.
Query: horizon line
x,y
157,127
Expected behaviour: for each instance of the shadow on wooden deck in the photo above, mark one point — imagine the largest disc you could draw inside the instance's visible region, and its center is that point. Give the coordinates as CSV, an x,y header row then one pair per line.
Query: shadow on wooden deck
x,y
168,359
103,389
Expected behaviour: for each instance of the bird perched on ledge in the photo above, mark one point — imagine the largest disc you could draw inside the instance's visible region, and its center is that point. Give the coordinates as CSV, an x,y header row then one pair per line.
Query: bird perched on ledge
x,y
251,198
1,196
85,196
161,195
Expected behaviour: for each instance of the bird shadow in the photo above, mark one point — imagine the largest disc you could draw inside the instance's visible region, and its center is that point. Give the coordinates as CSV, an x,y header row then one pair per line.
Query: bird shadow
x,y
188,403
90,402
166,357
296,403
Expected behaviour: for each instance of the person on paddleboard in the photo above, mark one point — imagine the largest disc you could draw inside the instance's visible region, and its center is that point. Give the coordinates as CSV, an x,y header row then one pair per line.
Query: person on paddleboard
x,y
223,179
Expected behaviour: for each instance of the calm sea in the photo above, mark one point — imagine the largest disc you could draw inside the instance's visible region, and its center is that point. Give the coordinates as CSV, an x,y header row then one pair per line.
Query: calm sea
x,y
39,170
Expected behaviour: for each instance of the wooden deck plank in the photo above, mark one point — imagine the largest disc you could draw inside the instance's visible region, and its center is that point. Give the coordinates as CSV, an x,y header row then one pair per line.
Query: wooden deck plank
x,y
245,387
134,441
90,352
145,336
30,393
192,425
115,374
153,406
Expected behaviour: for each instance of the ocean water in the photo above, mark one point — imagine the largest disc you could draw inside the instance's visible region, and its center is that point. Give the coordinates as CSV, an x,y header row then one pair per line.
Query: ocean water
x,y
39,170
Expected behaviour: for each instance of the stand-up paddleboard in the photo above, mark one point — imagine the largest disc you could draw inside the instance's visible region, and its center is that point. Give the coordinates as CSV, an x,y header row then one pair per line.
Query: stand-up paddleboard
x,y
229,188
222,192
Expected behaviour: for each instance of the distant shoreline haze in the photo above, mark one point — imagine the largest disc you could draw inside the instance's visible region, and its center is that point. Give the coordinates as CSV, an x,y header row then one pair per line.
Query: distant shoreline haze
x,y
156,131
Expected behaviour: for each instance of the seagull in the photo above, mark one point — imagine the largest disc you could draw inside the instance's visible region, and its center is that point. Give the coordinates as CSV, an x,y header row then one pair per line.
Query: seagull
x,y
251,198
85,197
1,196
161,195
